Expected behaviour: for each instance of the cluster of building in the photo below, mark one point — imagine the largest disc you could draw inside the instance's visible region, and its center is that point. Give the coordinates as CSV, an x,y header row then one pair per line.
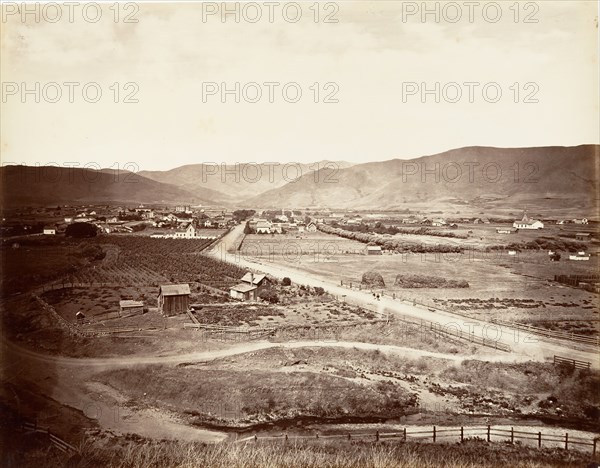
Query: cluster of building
x,y
174,222
265,226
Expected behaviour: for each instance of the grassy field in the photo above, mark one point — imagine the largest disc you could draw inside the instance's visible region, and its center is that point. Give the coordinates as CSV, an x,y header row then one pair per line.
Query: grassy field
x,y
127,453
499,286
299,247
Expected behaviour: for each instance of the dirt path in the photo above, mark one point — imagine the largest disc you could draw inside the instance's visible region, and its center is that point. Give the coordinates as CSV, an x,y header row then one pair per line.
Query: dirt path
x,y
522,344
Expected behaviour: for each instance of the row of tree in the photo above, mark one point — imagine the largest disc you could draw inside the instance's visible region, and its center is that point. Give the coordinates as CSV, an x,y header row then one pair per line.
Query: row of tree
x,y
391,244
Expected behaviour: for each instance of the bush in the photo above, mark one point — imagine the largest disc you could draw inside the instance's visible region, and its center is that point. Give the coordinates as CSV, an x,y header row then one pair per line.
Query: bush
x,y
424,281
372,278
269,295
286,281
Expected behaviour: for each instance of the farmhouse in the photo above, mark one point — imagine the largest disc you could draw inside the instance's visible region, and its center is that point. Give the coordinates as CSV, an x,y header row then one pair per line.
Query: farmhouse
x,y
527,223
580,236
311,227
244,292
580,221
185,233
173,299
260,281
127,308
263,226
374,250
581,256
49,231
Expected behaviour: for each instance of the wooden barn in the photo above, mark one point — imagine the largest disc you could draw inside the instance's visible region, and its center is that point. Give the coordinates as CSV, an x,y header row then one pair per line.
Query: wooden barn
x,y
127,308
374,250
173,299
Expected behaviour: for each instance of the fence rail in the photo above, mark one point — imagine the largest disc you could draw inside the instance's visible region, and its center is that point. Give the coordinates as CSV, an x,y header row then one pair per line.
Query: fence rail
x,y
583,339
460,433
54,439
572,362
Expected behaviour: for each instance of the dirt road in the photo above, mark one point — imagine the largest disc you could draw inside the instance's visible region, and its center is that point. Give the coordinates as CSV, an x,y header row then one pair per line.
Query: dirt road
x,y
522,344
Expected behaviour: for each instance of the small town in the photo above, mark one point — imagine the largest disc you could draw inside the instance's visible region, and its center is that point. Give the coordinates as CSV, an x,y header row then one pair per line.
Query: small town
x,y
300,235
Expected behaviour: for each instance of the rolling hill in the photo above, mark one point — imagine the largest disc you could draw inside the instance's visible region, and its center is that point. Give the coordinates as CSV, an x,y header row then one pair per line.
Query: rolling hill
x,y
235,184
462,175
561,177
25,185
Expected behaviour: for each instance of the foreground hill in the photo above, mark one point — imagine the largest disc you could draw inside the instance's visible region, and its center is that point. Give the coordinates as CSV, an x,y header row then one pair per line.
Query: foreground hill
x,y
519,175
24,185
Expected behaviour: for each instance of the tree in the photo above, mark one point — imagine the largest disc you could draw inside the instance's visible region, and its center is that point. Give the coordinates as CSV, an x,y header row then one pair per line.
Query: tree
x,y
286,281
81,230
247,229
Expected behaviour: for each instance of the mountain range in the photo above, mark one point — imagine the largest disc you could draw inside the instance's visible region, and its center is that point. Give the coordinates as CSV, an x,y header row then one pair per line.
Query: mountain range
x,y
568,175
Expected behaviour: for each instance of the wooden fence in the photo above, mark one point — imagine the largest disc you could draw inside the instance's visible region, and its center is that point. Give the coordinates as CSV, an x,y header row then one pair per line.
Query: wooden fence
x,y
59,443
457,433
559,360
559,335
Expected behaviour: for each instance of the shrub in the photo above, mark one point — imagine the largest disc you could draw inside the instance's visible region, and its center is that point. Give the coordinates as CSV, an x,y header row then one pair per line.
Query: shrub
x,y
286,281
269,295
373,278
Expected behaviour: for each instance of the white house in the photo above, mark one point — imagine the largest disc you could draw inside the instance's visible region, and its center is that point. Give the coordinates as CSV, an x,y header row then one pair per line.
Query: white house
x,y
186,233
580,221
311,227
49,231
263,226
527,223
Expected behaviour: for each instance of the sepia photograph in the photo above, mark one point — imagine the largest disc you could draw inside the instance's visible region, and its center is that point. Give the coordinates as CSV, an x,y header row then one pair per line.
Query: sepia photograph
x,y
300,234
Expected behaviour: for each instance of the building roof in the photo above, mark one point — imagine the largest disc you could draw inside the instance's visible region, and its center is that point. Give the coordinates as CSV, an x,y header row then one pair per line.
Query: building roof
x,y
174,289
373,247
243,288
582,234
127,303
256,280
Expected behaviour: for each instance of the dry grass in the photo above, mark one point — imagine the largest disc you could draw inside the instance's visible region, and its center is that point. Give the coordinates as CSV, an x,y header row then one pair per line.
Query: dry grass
x,y
470,454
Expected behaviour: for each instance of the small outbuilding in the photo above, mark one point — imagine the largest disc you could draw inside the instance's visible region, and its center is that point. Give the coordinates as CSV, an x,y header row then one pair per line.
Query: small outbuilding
x,y
259,281
244,292
128,308
582,236
374,250
173,299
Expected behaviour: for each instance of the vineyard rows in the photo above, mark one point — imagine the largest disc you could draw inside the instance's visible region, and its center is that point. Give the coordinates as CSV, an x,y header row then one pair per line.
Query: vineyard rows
x,y
144,261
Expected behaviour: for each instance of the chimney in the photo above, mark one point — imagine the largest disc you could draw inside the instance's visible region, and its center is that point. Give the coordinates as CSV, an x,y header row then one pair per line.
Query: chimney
x,y
251,279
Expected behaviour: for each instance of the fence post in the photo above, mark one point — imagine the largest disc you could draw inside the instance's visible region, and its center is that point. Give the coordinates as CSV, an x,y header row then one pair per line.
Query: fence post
x,y
488,433
317,436
539,440
286,437
349,437
404,434
512,435
434,433
594,449
377,436
566,441
462,434
255,438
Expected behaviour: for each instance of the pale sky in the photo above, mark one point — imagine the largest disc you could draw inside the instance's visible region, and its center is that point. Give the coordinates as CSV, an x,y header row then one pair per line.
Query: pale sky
x,y
371,53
